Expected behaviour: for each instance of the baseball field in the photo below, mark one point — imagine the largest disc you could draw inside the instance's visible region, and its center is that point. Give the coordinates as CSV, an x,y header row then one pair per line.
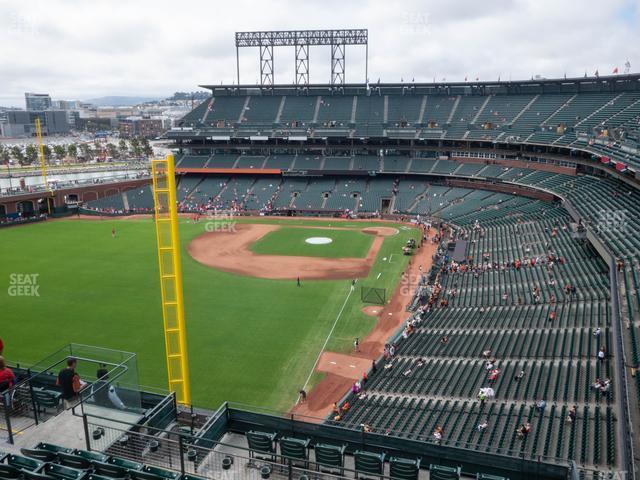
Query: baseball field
x,y
254,334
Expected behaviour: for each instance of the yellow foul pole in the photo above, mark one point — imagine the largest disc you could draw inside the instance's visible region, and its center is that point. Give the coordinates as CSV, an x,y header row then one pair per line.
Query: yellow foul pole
x,y
166,219
43,164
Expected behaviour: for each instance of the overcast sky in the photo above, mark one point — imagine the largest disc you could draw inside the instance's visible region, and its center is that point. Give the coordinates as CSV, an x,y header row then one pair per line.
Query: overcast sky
x,y
78,49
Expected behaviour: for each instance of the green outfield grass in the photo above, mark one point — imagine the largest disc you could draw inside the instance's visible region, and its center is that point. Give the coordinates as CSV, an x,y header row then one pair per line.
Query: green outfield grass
x,y
250,340
291,241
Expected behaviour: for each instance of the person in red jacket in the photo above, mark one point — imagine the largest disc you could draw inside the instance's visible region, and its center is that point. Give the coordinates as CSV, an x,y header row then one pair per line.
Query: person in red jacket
x,y
7,377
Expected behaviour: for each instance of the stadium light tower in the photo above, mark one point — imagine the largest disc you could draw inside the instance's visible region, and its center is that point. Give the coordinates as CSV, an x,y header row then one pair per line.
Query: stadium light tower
x,y
301,40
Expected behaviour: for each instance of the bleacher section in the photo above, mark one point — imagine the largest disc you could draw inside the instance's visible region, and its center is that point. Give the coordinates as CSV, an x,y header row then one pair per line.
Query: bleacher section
x,y
564,119
434,383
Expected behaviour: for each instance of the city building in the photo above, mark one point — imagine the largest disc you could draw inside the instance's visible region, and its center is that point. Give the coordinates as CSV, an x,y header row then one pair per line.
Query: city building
x,y
37,101
22,123
140,127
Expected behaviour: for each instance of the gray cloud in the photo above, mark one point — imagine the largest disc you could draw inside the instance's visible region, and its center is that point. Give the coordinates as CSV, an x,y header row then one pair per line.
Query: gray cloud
x,y
77,49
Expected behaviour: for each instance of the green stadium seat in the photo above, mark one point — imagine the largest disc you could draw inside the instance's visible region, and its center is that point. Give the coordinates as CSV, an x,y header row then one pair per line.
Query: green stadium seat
x,y
262,443
74,461
109,470
61,472
42,455
24,463
295,449
331,456
368,462
124,463
161,472
91,455
7,472
404,468
440,472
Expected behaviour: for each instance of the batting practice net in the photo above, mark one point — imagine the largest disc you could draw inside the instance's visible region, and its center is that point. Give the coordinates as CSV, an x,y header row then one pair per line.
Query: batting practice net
x,y
375,295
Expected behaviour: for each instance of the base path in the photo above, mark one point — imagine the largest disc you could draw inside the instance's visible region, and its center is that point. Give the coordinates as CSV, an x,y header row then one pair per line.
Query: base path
x,y
230,252
339,375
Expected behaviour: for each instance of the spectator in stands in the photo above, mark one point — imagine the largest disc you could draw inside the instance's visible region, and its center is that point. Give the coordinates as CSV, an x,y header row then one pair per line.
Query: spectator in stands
x,y
519,376
573,412
70,383
482,426
7,377
524,431
597,332
540,406
438,432
602,354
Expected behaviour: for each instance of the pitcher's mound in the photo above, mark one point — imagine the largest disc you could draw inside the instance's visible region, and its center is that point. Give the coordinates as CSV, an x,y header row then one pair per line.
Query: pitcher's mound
x,y
373,310
382,231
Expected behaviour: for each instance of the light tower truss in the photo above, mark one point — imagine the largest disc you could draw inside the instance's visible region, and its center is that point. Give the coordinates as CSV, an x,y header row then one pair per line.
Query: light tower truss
x,y
301,40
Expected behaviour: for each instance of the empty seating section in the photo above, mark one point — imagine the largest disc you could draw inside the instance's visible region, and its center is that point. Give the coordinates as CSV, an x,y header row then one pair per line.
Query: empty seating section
x,y
438,109
370,110
403,108
222,161
377,190
313,197
337,108
344,195
298,109
192,161
308,162
578,108
227,109
468,107
337,163
250,161
395,163
530,118
281,162
539,335
366,163
261,110
407,192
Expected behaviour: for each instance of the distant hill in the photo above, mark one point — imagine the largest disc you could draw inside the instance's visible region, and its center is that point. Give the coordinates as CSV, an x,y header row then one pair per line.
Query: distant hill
x,y
120,101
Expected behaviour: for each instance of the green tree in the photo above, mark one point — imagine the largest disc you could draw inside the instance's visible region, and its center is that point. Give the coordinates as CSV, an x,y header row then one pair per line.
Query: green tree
x,y
60,151
31,153
73,150
122,146
113,150
46,150
86,151
135,147
17,154
146,147
5,156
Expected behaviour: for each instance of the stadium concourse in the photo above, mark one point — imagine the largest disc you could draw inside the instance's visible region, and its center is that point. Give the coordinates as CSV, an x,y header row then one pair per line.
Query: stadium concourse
x,y
522,349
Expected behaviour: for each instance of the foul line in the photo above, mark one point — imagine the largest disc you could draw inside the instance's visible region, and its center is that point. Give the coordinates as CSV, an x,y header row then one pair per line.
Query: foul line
x,y
328,337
